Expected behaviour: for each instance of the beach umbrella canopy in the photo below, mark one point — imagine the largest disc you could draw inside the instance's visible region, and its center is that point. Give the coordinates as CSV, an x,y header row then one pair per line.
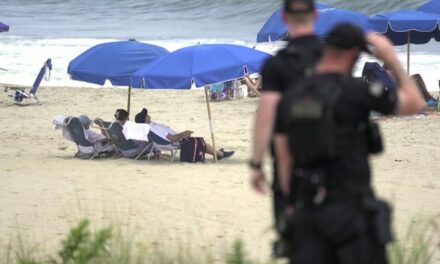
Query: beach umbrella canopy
x,y
3,27
113,61
328,18
275,29
432,6
200,65
407,27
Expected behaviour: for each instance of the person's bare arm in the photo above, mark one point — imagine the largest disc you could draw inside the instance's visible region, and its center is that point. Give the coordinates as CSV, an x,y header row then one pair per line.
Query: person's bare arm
x,y
177,137
284,162
410,101
263,128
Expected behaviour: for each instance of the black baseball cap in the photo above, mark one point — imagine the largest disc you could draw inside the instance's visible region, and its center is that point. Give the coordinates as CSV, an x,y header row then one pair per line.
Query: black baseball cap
x,y
299,6
347,36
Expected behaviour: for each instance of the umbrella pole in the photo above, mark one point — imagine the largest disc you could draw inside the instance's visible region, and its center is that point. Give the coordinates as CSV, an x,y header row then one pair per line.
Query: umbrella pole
x,y
129,99
408,52
210,124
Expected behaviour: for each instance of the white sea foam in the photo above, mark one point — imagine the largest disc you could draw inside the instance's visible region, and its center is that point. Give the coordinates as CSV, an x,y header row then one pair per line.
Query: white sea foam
x,y
22,58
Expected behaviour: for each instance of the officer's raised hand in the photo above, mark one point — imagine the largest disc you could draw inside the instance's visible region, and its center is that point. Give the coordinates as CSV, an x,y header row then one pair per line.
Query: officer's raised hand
x,y
383,49
410,100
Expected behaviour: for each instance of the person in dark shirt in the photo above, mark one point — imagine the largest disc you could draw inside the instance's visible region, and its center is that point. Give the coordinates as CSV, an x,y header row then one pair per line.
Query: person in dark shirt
x,y
288,66
342,221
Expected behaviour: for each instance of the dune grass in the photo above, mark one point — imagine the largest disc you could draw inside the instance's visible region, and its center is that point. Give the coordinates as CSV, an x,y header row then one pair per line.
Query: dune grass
x,y
112,245
418,245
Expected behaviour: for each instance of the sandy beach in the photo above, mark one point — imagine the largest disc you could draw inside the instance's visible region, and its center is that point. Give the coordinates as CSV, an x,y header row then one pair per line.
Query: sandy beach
x,y
44,190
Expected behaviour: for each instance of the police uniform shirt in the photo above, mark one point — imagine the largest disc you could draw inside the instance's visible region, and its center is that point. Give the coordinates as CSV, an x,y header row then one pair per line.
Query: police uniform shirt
x,y
278,72
354,104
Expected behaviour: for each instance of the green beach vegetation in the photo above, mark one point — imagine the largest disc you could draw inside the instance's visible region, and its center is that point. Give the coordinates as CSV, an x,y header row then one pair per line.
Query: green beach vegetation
x,y
111,245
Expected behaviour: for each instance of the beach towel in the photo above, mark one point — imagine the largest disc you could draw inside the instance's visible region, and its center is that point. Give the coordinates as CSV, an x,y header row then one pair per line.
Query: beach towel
x,y
136,131
58,123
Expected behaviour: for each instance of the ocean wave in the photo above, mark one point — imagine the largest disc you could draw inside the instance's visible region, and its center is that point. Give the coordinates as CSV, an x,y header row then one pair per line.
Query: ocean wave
x,y
235,19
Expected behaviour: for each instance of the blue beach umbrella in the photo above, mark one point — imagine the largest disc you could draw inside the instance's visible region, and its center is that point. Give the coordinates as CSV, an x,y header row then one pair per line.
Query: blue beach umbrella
x,y
328,18
113,61
199,65
275,29
3,27
432,6
407,27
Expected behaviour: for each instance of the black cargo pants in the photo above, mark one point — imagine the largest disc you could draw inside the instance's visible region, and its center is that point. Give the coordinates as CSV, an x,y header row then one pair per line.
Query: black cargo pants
x,y
335,233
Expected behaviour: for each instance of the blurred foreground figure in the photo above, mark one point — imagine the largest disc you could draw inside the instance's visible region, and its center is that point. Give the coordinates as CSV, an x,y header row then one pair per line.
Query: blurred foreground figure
x,y
323,136
290,65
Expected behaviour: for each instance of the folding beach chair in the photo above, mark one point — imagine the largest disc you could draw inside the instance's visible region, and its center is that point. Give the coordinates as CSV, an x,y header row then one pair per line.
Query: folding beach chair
x,y
19,92
163,145
128,148
86,149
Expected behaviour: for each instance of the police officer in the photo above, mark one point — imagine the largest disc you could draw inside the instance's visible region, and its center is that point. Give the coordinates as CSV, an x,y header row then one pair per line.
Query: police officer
x,y
279,72
322,141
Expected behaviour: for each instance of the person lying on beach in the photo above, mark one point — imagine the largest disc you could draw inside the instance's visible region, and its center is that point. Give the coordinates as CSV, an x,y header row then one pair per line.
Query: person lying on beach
x,y
172,136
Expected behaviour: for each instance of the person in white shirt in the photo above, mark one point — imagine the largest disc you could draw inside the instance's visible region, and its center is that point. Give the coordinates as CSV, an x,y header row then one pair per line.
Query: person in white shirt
x,y
172,136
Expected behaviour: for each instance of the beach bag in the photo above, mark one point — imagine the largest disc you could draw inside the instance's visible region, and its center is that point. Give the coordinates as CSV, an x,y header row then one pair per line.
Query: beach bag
x,y
192,149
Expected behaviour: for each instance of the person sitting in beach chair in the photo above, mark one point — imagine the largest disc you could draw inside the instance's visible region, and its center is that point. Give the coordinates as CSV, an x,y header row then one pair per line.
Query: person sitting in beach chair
x,y
373,72
89,143
19,92
429,99
168,134
217,92
91,136
253,86
129,148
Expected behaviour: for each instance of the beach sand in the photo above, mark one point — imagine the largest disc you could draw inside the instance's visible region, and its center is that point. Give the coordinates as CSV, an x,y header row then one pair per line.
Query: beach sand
x,y
44,190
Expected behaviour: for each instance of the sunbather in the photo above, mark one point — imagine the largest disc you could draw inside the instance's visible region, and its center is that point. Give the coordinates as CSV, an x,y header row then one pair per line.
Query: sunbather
x,y
121,116
98,140
253,86
172,136
91,136
140,146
